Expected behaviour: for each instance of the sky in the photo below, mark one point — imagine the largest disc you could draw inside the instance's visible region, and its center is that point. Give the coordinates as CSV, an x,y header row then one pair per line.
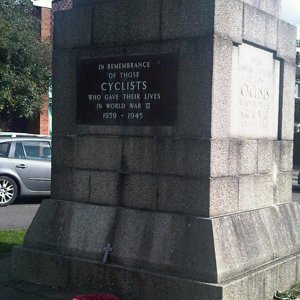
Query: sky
x,y
290,11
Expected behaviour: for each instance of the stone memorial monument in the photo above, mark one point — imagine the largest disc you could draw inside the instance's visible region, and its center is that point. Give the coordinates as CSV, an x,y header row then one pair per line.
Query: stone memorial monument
x,y
172,152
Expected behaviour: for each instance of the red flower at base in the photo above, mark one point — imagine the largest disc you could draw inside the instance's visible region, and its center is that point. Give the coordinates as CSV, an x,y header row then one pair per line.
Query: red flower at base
x,y
96,297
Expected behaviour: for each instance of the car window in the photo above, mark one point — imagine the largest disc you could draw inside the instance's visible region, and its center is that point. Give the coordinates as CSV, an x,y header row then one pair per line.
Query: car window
x,y
4,147
37,149
19,151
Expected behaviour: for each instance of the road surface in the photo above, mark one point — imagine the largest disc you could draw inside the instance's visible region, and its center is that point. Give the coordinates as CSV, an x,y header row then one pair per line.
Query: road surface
x,y
19,214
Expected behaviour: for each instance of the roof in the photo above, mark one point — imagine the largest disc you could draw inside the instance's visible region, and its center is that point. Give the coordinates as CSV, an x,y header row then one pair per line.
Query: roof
x,y
20,134
42,3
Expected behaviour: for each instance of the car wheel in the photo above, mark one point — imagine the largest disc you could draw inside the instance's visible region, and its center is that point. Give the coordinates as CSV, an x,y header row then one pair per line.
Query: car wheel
x,y
8,190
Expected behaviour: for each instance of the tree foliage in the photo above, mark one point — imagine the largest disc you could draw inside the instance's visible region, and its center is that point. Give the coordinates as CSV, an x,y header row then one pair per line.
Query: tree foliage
x,y
24,61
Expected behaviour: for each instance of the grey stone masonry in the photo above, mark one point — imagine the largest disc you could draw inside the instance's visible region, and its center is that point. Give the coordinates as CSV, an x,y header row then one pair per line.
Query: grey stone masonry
x,y
181,247
197,199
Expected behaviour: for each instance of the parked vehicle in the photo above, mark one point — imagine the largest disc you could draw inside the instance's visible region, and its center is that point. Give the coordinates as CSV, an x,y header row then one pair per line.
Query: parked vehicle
x,y
25,166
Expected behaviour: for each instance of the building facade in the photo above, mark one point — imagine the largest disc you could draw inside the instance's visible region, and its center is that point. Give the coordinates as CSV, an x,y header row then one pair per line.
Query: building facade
x,y
45,10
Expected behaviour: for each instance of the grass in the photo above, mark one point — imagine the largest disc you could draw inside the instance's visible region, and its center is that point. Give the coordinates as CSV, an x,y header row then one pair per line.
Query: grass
x,y
10,238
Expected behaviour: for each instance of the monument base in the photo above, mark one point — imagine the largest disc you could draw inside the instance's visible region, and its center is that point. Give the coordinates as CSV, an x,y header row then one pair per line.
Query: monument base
x,y
247,255
69,272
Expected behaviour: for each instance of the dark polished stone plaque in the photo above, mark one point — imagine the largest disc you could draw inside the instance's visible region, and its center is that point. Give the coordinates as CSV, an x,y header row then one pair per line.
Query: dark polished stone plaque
x,y
131,90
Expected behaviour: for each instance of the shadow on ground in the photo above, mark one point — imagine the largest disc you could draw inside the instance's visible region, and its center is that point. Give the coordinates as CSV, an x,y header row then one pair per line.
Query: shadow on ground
x,y
28,200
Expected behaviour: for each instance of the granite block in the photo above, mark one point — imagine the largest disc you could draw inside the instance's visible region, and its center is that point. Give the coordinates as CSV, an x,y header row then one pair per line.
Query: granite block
x,y
137,131
98,220
271,7
298,267
243,157
80,186
199,264
259,27
183,195
265,152
140,155
223,196
126,22
122,282
283,187
219,165
255,191
221,88
65,230
105,188
136,245
99,153
64,92
283,151
288,101
24,265
139,191
73,28
105,23
251,287
185,157
228,20
40,267
127,283
132,284
287,35
281,276
186,19
194,88
213,250
138,21
287,274
241,243
168,287
231,157
70,184
271,281
61,179
86,274
285,239
262,283
63,151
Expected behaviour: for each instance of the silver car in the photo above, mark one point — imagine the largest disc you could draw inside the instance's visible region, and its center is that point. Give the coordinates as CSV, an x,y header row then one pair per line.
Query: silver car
x,y
25,166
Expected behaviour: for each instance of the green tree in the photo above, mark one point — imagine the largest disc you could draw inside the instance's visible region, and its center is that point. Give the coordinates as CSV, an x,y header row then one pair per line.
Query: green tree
x,y
24,62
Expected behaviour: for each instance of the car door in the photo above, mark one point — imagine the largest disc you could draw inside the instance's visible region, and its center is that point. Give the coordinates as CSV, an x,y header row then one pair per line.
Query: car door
x,y
32,161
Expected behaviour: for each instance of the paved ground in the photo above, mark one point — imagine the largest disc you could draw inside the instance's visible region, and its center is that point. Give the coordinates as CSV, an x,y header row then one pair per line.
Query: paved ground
x,y
17,216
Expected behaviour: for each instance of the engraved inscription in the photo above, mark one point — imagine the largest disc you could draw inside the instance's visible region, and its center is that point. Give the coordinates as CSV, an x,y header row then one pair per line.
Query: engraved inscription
x,y
255,93
136,90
